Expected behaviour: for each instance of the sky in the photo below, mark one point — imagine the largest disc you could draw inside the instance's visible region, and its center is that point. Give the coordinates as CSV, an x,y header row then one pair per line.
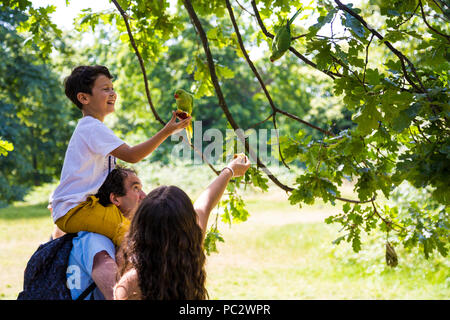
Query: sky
x,y
64,15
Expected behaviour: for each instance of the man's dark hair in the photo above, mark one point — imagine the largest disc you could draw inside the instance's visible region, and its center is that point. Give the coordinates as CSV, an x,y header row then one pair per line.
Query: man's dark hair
x,y
82,79
114,183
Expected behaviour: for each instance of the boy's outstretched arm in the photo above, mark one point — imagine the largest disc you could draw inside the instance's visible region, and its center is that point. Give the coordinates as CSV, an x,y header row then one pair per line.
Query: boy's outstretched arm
x,y
138,152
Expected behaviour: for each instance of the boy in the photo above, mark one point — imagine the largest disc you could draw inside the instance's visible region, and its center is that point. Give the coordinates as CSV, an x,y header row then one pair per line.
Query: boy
x,y
91,155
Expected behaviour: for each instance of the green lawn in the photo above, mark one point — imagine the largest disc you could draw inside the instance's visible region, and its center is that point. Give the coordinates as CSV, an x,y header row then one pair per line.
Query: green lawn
x,y
286,253
281,252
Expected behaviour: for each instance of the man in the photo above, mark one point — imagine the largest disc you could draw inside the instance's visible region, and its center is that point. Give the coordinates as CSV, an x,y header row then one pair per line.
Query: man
x,y
92,258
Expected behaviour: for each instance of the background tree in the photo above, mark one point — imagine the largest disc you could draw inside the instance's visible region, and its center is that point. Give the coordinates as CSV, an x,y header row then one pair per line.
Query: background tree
x,y
32,113
383,67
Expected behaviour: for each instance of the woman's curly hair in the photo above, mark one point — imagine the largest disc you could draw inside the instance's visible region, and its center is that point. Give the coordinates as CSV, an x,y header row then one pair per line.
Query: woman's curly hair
x,y
165,246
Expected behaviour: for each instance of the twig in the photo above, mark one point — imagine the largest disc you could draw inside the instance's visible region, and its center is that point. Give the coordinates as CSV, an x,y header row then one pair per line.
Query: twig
x,y
274,118
412,135
437,4
243,8
400,55
348,69
295,52
294,117
141,61
388,223
201,155
406,20
258,76
367,58
354,201
420,130
429,26
300,36
261,122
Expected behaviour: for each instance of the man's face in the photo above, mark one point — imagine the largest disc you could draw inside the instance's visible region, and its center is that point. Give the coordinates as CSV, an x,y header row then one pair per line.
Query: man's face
x,y
129,203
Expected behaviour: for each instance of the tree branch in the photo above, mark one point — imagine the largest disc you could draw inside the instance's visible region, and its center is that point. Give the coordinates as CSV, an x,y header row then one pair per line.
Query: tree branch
x,y
429,26
261,122
147,91
258,76
278,139
367,59
220,96
294,117
295,52
222,103
243,8
400,55
409,18
141,61
388,223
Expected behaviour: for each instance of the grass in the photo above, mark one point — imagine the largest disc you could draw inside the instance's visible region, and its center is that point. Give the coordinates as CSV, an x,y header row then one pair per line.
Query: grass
x,y
281,252
287,254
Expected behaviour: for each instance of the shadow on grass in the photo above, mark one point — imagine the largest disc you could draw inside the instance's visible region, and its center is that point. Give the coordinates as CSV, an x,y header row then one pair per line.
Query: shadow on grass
x,y
25,211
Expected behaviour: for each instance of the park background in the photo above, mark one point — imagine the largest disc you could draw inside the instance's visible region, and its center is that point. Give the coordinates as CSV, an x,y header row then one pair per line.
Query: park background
x,y
282,251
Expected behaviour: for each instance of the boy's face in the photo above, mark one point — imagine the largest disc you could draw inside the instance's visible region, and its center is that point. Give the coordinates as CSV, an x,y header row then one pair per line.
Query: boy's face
x,y
102,100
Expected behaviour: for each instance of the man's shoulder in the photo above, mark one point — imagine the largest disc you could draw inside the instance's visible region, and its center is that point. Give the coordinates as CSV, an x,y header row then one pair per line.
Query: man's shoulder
x,y
86,236
86,246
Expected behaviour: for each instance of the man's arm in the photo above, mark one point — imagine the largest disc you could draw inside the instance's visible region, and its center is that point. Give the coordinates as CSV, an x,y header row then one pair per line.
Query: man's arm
x,y
211,196
138,152
104,270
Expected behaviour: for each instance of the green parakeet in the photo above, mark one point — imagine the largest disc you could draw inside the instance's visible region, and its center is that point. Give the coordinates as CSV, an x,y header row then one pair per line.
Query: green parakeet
x,y
185,103
282,40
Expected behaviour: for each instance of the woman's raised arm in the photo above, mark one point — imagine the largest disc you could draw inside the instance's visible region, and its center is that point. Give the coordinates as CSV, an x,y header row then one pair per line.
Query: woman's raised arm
x,y
212,194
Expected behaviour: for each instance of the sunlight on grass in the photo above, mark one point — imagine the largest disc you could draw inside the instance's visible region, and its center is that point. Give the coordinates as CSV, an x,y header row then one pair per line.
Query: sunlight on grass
x,y
281,252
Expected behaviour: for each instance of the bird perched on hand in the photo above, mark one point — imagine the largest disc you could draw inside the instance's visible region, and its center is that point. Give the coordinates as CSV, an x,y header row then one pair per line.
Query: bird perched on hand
x,y
282,40
185,103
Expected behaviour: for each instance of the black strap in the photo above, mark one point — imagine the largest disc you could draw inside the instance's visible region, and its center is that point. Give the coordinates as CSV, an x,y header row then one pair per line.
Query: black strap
x,y
113,160
88,290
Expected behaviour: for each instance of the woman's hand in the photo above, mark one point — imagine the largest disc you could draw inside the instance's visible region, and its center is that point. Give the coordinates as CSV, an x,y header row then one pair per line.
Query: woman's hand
x,y
240,165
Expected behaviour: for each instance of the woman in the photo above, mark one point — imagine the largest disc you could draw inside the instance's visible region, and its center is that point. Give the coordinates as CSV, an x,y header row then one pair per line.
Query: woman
x,y
163,255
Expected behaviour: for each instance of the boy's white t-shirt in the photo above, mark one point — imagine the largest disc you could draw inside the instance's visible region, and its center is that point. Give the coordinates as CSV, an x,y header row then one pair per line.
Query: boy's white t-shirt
x,y
86,164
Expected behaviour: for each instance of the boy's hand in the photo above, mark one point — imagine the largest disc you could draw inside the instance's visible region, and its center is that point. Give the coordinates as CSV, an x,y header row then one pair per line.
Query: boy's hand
x,y
174,127
240,165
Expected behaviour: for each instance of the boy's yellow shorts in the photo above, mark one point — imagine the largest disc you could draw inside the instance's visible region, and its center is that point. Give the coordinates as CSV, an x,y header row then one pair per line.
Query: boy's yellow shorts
x,y
91,216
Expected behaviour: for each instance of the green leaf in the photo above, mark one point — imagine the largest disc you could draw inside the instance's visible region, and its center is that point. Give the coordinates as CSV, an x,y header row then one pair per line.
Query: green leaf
x,y
353,23
346,207
234,209
367,119
404,118
210,242
257,179
5,147
321,21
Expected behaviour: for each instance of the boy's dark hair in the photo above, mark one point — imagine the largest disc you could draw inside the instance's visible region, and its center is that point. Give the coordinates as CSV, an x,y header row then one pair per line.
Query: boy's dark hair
x,y
82,79
114,183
